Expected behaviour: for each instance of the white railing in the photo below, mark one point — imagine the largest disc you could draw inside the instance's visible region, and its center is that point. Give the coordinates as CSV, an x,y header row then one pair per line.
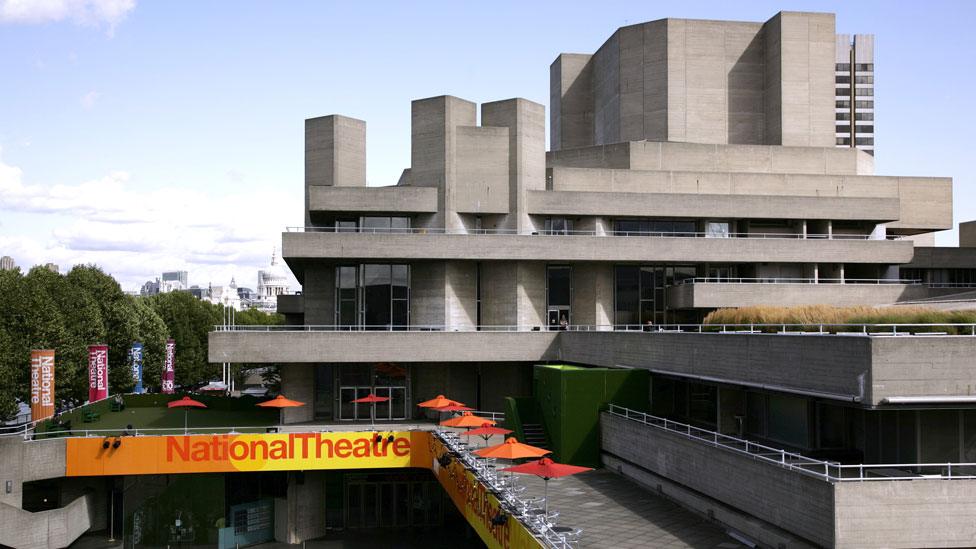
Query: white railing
x,y
826,470
790,280
813,328
542,232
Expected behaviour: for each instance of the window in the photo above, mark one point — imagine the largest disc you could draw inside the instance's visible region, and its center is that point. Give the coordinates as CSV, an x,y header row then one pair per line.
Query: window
x,y
843,92
559,296
866,92
558,225
843,129
842,67
843,116
374,296
865,129
864,141
631,227
864,116
843,140
863,67
843,79
864,104
863,80
843,104
384,224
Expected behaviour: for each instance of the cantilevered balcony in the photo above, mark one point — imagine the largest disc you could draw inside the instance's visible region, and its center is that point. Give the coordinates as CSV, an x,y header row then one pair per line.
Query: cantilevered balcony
x,y
301,244
712,293
826,503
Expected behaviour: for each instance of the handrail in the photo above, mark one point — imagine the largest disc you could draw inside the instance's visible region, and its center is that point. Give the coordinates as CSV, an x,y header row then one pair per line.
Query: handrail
x,y
791,280
543,232
785,328
831,471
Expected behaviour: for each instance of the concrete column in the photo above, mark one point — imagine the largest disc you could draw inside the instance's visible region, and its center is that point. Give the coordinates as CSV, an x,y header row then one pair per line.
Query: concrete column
x,y
803,228
840,272
335,153
460,295
593,294
319,294
298,383
531,294
433,151
301,515
526,123
513,293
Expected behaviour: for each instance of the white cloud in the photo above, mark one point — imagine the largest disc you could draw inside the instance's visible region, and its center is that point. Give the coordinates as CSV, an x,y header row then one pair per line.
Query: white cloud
x,y
135,234
95,13
88,100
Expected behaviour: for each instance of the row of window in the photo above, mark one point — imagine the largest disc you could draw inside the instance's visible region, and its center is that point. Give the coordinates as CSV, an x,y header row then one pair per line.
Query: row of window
x,y
857,79
860,129
868,116
859,141
846,104
845,92
858,67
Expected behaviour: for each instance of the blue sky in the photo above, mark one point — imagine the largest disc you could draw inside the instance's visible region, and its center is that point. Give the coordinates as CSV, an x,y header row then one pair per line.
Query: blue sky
x,y
147,136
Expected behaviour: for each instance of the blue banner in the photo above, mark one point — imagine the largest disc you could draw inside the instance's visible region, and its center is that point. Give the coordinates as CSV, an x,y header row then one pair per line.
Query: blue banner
x,y
135,359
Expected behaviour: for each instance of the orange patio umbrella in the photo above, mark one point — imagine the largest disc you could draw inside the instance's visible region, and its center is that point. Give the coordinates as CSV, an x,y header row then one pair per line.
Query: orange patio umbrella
x,y
439,401
467,419
486,431
370,399
547,469
186,403
512,449
454,409
280,402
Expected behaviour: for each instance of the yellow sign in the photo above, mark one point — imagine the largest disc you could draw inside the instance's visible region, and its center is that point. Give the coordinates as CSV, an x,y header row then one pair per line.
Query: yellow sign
x,y
137,455
479,505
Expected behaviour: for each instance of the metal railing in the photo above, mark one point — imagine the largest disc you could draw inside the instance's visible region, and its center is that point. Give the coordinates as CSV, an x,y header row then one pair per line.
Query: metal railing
x,y
813,328
543,232
790,280
831,471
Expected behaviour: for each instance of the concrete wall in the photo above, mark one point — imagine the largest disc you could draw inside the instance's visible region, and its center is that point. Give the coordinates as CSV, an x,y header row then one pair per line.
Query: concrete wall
x,y
526,123
410,247
335,153
932,257
313,347
799,79
967,234
22,462
701,295
318,292
393,199
513,293
797,503
593,294
301,516
571,101
51,529
482,170
920,513
649,155
922,366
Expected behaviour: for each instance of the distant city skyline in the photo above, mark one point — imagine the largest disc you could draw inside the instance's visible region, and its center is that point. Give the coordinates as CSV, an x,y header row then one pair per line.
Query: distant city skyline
x,y
147,137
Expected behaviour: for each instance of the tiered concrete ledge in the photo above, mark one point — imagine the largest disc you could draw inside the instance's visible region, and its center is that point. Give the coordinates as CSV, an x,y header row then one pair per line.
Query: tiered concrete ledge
x,y
299,246
394,199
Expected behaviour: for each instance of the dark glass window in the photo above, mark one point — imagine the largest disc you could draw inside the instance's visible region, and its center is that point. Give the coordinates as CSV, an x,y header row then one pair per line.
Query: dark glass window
x,y
843,116
558,225
844,129
655,227
863,80
864,116
346,313
627,294
864,141
865,129
842,67
862,67
376,296
843,104
864,104
843,140
559,286
384,224
843,92
843,79
865,92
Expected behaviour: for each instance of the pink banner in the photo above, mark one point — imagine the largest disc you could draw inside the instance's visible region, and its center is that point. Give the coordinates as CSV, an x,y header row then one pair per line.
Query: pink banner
x,y
169,367
97,372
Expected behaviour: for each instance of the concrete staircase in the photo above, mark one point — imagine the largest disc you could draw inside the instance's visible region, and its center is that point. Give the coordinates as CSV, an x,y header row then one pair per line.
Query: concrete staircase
x,y
535,435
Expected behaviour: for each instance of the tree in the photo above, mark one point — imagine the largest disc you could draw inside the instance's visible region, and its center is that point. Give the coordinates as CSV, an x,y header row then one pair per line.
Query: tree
x,y
188,321
152,334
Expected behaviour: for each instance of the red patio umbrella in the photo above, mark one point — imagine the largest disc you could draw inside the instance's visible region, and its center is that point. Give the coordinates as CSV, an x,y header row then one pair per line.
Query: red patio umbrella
x,y
547,469
454,408
370,399
280,402
186,403
512,449
486,431
467,419
439,401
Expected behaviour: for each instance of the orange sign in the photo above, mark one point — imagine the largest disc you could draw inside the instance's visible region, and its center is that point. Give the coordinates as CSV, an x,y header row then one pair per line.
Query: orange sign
x,y
479,505
42,384
138,455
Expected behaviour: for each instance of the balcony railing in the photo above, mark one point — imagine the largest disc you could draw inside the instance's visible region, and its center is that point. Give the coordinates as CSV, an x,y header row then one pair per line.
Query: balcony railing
x,y
790,280
809,329
830,471
655,234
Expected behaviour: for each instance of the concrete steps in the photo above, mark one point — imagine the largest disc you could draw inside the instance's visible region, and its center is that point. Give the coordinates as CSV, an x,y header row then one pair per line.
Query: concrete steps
x,y
535,435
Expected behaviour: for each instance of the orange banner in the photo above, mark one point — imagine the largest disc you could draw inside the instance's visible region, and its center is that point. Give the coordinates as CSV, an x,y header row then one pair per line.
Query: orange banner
x,y
151,455
479,505
42,384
